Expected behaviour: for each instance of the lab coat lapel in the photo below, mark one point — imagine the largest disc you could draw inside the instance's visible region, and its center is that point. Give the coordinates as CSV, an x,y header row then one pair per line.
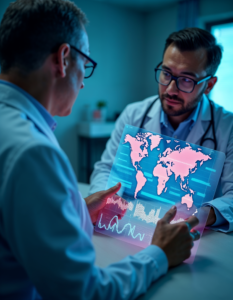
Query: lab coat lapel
x,y
153,123
14,98
204,117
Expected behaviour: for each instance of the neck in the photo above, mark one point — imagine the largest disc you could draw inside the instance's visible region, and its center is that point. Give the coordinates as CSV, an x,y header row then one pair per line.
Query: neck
x,y
35,84
176,120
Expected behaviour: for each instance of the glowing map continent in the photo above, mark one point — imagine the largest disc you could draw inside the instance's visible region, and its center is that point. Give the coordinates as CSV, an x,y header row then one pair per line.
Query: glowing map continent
x,y
180,162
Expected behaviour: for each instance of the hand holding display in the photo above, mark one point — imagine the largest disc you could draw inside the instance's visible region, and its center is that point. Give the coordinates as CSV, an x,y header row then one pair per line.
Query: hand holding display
x,y
97,201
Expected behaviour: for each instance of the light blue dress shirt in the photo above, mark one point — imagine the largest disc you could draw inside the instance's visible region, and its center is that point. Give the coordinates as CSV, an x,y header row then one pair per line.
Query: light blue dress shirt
x,y
183,129
45,228
45,114
181,133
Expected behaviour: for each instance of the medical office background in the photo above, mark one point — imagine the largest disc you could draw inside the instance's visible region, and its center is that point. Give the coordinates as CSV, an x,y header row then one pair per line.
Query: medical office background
x,y
126,40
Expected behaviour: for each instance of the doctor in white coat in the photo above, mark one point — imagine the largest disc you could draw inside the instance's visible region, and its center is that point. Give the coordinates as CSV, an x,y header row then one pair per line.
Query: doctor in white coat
x,y
183,111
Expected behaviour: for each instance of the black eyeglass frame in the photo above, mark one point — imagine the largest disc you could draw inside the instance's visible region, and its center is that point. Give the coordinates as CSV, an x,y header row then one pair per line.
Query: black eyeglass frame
x,y
88,58
176,79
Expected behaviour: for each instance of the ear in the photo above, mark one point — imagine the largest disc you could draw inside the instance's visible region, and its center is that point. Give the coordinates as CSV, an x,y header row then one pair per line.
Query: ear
x,y
210,84
62,60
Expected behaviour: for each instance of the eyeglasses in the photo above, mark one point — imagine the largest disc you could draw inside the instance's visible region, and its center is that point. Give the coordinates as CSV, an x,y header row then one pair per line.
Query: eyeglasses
x,y
89,69
184,84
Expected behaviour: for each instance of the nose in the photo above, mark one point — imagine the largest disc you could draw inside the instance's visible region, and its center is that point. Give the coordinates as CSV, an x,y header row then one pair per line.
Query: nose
x,y
172,88
82,85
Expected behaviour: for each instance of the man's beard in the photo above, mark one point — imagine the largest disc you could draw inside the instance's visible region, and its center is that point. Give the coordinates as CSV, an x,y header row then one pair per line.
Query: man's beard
x,y
169,109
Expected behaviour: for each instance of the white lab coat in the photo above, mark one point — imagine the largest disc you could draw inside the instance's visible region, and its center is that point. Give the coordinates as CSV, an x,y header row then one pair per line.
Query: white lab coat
x,y
223,121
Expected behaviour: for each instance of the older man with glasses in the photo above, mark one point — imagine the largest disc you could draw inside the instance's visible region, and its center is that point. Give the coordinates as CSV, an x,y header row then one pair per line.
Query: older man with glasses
x,y
183,111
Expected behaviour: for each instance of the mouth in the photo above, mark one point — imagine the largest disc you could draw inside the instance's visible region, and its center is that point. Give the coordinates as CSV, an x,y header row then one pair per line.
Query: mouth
x,y
172,102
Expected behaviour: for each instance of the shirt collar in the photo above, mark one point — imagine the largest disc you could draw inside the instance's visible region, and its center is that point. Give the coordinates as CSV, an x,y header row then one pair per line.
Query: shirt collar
x,y
45,114
190,120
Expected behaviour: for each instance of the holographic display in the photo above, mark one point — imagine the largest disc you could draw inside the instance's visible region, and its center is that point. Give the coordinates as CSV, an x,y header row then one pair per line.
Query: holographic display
x,y
157,172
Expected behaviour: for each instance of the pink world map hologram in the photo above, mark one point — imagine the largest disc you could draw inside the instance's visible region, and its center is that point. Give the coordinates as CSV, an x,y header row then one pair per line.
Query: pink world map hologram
x,y
157,173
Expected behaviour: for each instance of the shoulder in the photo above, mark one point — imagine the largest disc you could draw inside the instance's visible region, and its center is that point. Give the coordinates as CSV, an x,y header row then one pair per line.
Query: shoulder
x,y
222,115
17,129
141,105
134,112
22,141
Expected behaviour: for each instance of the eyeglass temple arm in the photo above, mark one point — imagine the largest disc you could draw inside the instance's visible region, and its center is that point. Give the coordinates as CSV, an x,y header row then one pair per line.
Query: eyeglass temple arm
x,y
204,79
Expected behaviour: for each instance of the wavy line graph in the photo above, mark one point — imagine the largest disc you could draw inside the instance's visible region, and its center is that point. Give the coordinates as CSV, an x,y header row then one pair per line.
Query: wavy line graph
x,y
115,226
152,217
120,204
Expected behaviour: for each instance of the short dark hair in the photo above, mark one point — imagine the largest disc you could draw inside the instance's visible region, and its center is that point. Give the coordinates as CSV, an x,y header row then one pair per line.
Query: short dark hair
x,y
30,30
191,39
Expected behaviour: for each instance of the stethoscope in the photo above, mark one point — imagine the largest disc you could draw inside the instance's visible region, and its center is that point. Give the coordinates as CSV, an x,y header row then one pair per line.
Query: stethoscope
x,y
203,139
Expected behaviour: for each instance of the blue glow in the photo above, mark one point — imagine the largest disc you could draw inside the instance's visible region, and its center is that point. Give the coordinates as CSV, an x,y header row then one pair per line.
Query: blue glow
x,y
115,226
200,181
200,194
122,180
122,184
122,166
157,198
175,194
174,188
209,169
123,171
150,160
148,174
122,159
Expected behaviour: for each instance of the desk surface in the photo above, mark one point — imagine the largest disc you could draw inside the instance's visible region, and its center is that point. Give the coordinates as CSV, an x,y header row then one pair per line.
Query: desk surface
x,y
209,277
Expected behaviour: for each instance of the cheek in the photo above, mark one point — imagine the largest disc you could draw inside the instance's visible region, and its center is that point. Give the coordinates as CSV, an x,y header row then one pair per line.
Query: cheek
x,y
162,89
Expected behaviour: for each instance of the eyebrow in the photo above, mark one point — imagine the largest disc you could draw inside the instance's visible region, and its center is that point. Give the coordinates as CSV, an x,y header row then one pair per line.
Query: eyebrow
x,y
183,73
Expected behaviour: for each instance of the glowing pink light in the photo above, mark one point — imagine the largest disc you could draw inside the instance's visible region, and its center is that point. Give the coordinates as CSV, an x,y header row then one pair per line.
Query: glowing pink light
x,y
121,205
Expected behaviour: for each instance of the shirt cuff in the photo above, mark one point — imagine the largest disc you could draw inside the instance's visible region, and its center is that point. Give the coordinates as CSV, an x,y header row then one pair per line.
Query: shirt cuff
x,y
219,218
159,258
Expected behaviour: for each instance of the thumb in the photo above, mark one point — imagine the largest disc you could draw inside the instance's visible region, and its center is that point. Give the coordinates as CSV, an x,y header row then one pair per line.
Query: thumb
x,y
170,214
113,190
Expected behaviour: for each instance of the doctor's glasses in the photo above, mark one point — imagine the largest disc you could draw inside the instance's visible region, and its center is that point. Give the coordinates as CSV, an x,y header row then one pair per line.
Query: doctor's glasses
x,y
90,67
184,84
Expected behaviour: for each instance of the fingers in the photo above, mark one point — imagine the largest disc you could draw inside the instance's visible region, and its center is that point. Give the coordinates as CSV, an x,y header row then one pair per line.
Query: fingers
x,y
113,190
169,214
192,222
195,235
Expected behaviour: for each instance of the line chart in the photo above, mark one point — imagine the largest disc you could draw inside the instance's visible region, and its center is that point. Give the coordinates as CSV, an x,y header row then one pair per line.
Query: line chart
x,y
115,226
152,217
121,205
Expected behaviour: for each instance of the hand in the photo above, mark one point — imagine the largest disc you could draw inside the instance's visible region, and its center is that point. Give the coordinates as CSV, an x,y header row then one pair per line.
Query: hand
x,y
211,218
175,239
97,201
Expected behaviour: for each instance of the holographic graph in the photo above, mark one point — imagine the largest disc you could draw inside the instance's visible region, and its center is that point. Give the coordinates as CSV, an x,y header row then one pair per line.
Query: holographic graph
x,y
115,226
152,217
157,172
120,204
127,219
